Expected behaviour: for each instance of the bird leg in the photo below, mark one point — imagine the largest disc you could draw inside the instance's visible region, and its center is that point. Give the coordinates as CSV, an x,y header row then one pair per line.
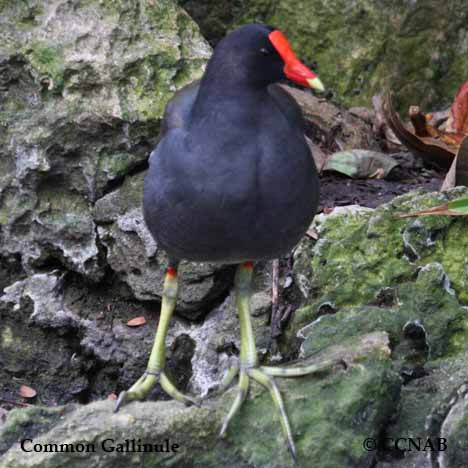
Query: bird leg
x,y
155,369
249,368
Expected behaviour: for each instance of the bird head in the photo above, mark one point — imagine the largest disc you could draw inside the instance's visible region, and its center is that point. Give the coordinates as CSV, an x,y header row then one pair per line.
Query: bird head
x,y
261,54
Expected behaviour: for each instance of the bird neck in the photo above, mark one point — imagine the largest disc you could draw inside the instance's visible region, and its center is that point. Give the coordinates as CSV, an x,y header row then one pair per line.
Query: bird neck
x,y
229,78
227,98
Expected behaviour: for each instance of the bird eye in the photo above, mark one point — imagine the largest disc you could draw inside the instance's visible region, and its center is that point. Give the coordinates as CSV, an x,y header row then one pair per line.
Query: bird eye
x,y
264,51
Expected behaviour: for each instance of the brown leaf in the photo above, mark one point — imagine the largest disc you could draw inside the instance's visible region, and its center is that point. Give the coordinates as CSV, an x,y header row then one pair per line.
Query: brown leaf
x,y
328,210
27,392
112,396
430,148
137,321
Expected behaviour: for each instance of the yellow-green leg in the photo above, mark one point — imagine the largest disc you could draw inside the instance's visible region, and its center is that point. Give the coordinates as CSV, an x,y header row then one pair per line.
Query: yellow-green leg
x,y
248,362
157,361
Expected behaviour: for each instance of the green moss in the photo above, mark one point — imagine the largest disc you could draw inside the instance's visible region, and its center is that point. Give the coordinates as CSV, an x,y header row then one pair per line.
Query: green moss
x,y
115,164
150,82
449,250
47,60
361,47
421,260
146,88
355,401
357,255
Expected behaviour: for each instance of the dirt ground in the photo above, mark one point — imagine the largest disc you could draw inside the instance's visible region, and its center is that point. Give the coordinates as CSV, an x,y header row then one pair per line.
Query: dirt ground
x,y
338,190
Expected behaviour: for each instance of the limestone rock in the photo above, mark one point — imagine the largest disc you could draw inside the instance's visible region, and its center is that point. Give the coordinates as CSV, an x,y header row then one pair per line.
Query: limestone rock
x,y
370,272
362,397
83,89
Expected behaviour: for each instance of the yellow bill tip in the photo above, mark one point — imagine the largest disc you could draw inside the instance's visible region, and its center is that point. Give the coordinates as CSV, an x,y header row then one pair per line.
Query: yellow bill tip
x,y
315,83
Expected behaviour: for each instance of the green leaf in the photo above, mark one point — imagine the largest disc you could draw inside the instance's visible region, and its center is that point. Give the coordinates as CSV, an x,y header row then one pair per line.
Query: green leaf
x,y
360,164
453,208
459,205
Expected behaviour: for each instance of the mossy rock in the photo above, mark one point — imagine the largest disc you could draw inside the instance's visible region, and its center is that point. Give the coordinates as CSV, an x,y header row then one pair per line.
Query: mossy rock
x,y
357,399
84,86
418,49
370,271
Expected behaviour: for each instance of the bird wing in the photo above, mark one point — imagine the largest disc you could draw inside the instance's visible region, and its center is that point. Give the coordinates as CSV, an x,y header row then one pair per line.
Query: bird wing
x,y
179,107
288,106
177,112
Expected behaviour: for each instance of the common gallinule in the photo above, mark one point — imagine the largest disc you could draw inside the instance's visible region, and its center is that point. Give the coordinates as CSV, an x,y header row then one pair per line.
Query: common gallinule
x,y
232,180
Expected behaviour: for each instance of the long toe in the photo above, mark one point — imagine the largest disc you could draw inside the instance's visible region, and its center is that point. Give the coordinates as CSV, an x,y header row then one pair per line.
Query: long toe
x,y
140,389
242,390
172,391
268,382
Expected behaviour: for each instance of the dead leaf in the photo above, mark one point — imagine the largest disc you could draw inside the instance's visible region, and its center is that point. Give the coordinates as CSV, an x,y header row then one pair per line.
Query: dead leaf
x,y
458,172
312,233
360,164
430,148
427,136
112,396
137,322
328,209
27,392
453,208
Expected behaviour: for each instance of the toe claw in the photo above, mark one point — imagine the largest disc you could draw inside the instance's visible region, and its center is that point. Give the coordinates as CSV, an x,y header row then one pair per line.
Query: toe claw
x,y
222,432
292,450
120,401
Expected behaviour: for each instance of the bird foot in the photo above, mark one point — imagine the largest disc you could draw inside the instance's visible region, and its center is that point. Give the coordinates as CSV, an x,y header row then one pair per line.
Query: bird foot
x,y
264,376
145,383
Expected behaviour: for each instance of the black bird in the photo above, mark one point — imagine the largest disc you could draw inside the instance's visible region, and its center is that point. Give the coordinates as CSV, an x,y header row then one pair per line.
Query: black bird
x,y
231,180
